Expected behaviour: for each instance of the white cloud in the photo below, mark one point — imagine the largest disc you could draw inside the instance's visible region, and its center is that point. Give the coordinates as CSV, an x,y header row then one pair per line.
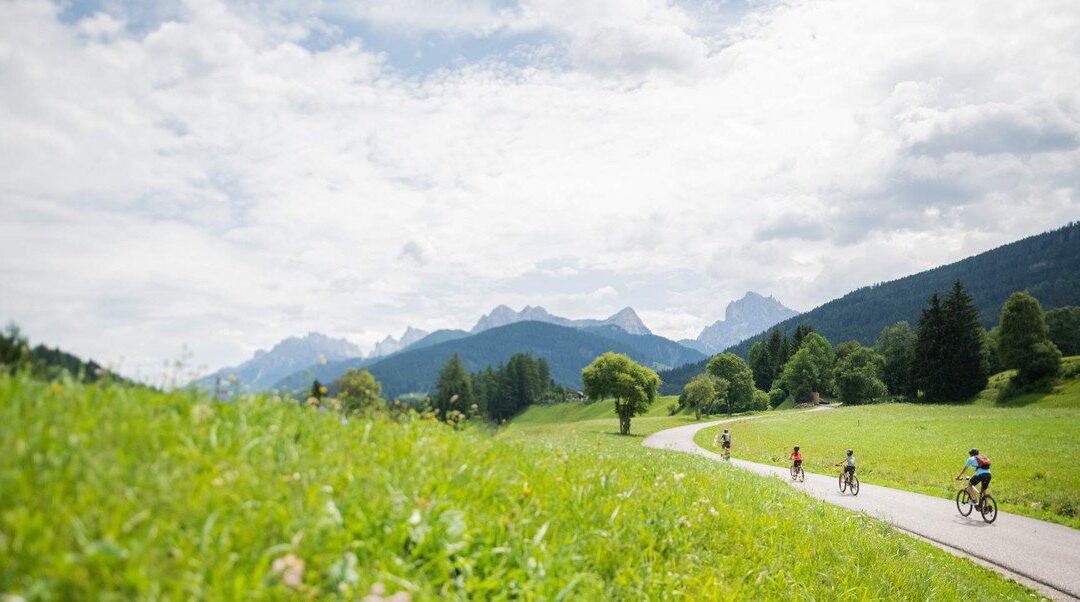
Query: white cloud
x,y
213,182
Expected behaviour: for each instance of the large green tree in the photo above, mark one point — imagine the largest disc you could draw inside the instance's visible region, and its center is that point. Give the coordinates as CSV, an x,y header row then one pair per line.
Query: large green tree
x,y
1024,340
809,371
14,349
896,344
616,376
1064,325
700,394
358,391
858,375
453,392
730,367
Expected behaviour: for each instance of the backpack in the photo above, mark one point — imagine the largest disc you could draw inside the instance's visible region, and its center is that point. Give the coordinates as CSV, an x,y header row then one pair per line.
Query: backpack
x,y
983,461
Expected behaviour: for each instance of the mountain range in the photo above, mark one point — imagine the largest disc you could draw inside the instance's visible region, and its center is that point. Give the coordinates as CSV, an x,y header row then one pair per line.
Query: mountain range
x,y
742,318
566,349
287,357
626,319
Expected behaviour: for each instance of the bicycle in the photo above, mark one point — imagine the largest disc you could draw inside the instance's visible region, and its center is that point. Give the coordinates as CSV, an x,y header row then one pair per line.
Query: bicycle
x,y
797,474
848,481
986,505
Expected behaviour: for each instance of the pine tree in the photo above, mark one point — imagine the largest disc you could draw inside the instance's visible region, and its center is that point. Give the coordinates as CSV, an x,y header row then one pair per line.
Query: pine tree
x,y
454,389
964,339
800,334
761,364
930,363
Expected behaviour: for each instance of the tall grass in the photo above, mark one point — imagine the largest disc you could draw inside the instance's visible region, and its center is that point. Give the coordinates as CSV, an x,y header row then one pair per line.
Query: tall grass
x,y
116,493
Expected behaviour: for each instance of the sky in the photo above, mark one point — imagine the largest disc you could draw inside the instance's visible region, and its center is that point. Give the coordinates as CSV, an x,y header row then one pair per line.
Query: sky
x,y
195,180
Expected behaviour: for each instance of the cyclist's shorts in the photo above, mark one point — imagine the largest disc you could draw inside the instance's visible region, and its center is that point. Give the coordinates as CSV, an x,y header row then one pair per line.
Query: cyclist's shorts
x,y
983,478
849,469
727,444
797,463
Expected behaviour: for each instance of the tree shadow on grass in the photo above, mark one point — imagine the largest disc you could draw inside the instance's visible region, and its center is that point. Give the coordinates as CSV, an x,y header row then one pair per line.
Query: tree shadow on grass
x,y
622,436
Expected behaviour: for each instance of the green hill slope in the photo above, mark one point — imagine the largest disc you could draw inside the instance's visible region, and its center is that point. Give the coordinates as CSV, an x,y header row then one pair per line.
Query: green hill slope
x,y
119,494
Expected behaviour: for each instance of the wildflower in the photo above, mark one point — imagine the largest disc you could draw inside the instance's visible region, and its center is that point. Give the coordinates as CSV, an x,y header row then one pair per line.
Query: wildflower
x,y
218,482
415,518
713,511
232,379
678,476
525,488
56,388
344,421
312,401
291,570
200,412
322,359
322,390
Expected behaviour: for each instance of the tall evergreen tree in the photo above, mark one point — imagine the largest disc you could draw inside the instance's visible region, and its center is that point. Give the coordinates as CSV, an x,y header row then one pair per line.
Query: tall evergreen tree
x,y
454,388
779,351
931,373
761,365
950,363
801,332
966,360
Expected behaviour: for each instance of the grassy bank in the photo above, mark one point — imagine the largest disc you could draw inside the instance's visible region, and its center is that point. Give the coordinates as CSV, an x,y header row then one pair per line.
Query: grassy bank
x,y
114,493
921,447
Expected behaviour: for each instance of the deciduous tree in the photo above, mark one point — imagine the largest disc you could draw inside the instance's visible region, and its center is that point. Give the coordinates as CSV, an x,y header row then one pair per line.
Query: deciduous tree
x,y
616,376
1024,340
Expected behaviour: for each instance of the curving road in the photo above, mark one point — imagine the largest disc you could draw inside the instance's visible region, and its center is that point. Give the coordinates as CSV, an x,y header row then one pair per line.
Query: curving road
x,y
1044,556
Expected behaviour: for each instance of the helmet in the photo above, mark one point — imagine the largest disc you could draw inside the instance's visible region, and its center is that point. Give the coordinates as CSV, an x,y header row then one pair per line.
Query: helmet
x,y
796,448
973,452
725,430
850,452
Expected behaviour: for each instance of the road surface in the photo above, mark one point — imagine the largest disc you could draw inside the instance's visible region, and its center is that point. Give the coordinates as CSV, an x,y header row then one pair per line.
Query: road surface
x,y
1044,556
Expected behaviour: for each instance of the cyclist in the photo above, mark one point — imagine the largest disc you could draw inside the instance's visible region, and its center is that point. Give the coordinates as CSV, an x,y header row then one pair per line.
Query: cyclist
x,y
849,462
981,464
725,441
796,458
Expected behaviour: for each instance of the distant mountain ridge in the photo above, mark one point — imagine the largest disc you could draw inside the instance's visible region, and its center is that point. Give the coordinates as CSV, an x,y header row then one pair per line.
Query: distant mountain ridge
x,y
391,345
626,319
285,358
743,318
567,350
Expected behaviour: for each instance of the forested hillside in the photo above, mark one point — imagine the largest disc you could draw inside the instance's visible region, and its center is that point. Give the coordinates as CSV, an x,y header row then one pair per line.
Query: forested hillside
x,y
1046,265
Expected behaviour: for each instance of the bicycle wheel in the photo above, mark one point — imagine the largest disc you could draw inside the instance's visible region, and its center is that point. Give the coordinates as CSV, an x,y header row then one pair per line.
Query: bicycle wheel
x,y
802,475
843,483
989,509
963,503
854,486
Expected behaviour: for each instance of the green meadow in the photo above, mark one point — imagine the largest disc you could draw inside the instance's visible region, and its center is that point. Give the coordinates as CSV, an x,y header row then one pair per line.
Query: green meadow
x,y
1032,441
116,493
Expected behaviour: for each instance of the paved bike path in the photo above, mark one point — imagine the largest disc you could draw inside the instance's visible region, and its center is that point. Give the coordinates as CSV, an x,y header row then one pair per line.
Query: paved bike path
x,y
1045,556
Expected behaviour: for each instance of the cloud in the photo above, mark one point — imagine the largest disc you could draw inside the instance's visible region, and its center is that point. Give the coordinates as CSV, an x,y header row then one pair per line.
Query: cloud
x,y
211,177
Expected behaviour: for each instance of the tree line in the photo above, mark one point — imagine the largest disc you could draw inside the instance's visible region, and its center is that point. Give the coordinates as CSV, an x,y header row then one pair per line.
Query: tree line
x,y
947,357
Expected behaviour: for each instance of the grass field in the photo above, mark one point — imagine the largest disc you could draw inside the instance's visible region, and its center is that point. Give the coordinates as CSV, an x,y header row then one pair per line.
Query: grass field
x,y
117,494
1031,440
578,411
